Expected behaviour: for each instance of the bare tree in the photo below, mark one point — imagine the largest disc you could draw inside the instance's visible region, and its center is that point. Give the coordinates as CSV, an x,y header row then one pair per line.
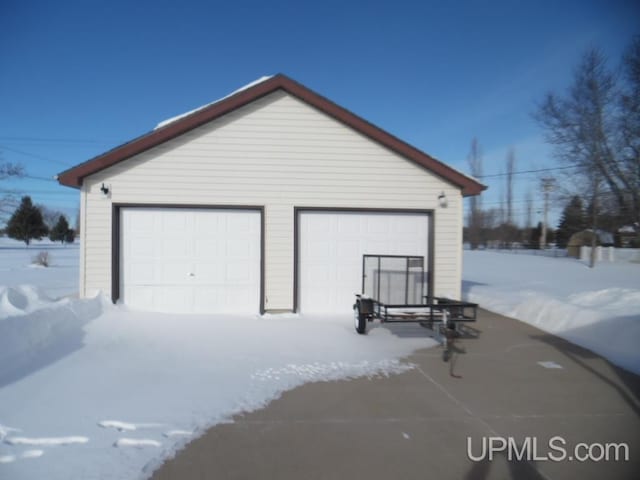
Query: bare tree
x,y
596,126
9,201
8,204
501,209
629,144
474,159
528,200
8,169
491,218
582,127
511,165
50,216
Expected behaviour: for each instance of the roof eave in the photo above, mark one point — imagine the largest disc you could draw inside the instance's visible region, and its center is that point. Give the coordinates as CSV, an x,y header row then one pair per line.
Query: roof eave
x,y
74,176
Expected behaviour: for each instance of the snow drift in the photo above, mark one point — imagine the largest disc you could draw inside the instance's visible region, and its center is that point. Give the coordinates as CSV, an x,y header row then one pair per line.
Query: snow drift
x,y
35,329
597,308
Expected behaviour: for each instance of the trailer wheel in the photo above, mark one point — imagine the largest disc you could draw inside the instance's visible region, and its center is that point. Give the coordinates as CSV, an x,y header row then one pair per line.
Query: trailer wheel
x,y
360,319
446,354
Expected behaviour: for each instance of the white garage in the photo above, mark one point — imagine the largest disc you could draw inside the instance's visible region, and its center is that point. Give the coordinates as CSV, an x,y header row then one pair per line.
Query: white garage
x,y
182,260
331,245
263,201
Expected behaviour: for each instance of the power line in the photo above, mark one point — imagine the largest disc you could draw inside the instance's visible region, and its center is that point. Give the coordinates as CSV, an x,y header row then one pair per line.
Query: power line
x,y
523,172
30,177
39,192
498,202
35,177
39,157
52,140
539,170
560,197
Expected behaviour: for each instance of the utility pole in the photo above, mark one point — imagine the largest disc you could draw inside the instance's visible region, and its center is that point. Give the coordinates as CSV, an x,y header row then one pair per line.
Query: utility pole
x,y
547,186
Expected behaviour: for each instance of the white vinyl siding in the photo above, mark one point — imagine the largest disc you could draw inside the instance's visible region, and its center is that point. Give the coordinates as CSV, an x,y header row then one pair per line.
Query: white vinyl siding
x,y
277,152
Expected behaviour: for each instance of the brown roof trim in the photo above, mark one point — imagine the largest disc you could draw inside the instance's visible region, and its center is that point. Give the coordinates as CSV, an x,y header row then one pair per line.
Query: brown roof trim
x,y
75,175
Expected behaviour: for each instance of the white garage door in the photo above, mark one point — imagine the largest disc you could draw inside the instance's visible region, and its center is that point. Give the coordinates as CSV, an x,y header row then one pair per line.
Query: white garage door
x,y
331,245
190,260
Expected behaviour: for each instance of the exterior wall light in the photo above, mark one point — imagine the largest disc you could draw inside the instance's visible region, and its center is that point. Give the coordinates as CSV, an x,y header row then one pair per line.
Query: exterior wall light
x,y
442,200
105,190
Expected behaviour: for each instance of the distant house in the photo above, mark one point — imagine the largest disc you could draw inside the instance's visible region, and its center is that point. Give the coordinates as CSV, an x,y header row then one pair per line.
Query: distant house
x,y
584,239
265,200
629,236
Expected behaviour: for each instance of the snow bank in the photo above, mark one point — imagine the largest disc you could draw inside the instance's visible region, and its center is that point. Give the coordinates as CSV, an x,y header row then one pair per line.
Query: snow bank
x,y
627,255
34,327
596,308
22,299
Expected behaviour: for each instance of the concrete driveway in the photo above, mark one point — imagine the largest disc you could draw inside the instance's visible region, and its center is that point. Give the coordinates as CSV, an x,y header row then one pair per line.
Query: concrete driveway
x,y
427,422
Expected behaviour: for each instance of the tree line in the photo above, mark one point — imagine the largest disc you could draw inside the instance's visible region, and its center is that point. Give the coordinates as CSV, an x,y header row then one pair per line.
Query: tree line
x,y
27,224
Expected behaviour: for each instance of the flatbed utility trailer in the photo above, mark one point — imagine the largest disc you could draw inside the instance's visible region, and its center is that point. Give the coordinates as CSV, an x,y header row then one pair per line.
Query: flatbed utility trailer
x,y
393,291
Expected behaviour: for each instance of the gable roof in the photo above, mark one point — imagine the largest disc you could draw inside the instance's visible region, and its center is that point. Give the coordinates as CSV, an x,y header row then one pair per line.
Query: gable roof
x,y
181,124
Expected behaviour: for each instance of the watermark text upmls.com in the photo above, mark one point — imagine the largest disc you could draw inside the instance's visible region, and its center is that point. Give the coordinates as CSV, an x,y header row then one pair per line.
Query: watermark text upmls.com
x,y
556,449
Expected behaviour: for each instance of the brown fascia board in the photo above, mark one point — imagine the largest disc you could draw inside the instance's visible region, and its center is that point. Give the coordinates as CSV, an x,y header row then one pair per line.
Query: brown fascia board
x,y
74,176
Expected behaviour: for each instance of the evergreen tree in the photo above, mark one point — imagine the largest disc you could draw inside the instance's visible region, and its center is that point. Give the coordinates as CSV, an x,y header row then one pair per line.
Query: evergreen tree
x,y
70,236
26,222
573,220
60,231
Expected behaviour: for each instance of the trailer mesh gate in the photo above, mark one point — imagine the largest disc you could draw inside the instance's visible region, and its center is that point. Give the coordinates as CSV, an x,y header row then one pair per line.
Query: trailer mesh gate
x,y
394,280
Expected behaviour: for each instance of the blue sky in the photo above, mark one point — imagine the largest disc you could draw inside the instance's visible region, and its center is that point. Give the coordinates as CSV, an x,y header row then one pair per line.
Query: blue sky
x,y
78,78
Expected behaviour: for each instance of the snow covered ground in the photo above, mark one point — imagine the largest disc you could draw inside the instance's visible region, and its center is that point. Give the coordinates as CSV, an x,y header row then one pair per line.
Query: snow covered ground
x,y
596,308
89,390
59,280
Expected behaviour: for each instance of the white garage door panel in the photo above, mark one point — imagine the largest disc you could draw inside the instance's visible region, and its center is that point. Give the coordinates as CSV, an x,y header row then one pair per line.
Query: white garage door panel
x,y
190,260
331,245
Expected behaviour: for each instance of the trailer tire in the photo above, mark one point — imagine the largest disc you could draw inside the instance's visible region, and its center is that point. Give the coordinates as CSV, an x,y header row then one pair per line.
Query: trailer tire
x,y
446,355
360,319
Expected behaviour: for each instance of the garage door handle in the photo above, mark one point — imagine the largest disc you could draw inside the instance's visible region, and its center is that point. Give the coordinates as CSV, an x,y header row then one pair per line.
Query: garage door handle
x,y
191,274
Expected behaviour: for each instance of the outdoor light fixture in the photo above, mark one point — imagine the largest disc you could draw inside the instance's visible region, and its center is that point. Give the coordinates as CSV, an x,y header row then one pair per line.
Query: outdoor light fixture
x,y
442,200
105,190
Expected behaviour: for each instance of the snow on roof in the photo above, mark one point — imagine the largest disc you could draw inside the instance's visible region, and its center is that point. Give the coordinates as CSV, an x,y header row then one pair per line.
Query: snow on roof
x,y
166,122
470,177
